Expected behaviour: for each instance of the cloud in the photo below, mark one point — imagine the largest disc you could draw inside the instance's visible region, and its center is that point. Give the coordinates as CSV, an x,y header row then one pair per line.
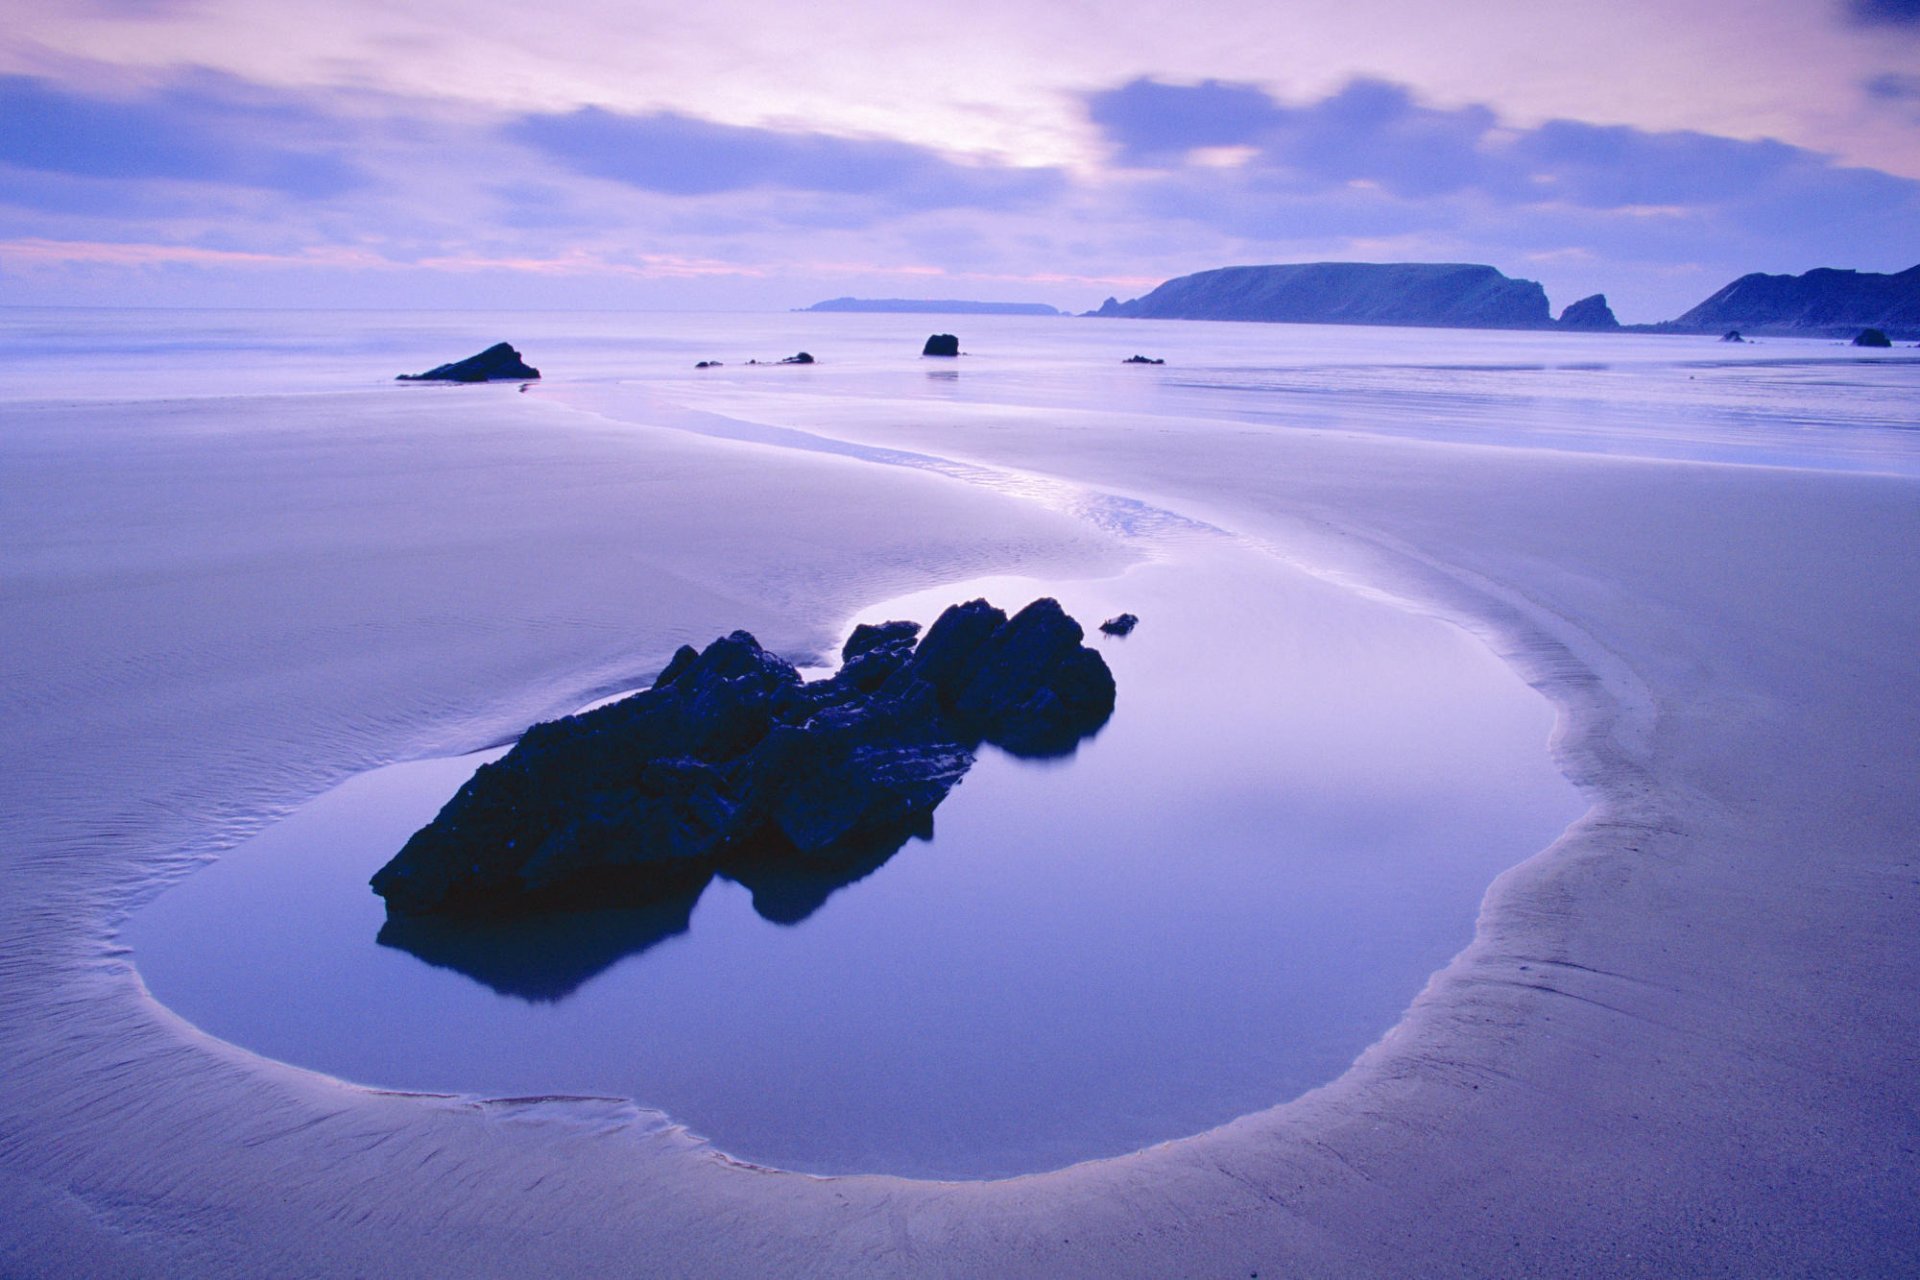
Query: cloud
x,y
1374,139
206,132
1884,13
1150,120
673,154
1894,87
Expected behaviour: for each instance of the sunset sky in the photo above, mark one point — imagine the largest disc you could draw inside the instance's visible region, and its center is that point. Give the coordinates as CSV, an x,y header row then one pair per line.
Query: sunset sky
x,y
594,153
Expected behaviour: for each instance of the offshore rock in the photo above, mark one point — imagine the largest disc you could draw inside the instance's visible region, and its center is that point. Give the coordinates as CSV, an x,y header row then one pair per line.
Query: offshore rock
x,y
731,764
1142,360
1591,314
1120,625
1872,338
941,344
498,361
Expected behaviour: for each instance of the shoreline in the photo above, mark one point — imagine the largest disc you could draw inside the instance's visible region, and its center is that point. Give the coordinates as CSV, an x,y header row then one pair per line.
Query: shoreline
x,y
1613,1069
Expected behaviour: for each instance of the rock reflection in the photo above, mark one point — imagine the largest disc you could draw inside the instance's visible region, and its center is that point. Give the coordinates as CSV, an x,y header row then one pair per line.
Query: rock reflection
x,y
547,957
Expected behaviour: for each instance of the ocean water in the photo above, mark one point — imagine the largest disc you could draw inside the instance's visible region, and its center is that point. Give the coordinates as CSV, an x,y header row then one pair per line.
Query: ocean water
x,y
1212,907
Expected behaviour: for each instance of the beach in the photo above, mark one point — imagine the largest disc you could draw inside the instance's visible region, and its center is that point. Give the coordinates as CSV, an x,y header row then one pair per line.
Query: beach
x,y
1681,1041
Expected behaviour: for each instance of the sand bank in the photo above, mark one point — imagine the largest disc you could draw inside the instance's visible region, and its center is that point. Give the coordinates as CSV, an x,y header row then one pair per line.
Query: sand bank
x,y
1684,1041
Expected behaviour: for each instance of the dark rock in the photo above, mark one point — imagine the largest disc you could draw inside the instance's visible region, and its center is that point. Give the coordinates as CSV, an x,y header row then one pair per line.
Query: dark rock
x,y
801,358
497,361
1450,294
708,364
1120,626
1732,335
1141,360
1872,338
1592,314
941,344
1823,302
729,763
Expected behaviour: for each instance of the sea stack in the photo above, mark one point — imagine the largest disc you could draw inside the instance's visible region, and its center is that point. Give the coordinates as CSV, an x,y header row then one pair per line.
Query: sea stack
x,y
499,362
1592,314
941,344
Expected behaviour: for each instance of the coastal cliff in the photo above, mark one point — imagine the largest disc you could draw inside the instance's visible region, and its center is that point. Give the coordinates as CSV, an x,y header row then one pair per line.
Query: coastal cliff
x,y
1822,302
1437,294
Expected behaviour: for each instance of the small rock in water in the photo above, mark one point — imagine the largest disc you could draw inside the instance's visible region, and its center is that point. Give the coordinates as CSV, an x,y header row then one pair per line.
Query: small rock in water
x,y
1872,338
708,364
498,361
941,344
798,358
1142,360
1732,335
1120,626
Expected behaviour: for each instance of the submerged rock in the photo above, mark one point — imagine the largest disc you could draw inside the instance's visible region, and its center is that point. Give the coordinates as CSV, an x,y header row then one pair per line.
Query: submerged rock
x,y
731,764
498,361
801,357
941,344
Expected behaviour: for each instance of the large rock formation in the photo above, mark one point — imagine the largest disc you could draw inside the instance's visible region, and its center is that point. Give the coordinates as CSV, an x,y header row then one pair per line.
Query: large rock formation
x,y
1821,303
731,764
1452,295
937,306
497,361
1592,314
941,344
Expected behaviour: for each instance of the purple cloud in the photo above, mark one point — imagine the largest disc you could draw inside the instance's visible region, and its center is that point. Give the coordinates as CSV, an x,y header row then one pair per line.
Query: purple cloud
x,y
207,131
673,154
1152,121
1884,13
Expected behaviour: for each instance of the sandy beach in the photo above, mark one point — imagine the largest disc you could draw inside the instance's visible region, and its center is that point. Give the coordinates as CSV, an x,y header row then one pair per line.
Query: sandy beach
x,y
1683,1042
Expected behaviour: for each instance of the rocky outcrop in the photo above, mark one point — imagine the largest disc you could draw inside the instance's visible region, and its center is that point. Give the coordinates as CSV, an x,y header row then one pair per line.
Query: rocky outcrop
x,y
941,344
935,306
1452,295
1872,338
1142,360
499,361
1732,335
1823,302
1592,314
731,764
1120,625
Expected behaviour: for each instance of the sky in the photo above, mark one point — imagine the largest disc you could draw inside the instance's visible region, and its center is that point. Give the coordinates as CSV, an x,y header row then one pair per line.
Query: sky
x,y
749,155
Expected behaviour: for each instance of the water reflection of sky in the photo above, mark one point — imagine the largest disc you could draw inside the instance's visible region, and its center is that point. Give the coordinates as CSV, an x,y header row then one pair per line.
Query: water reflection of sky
x,y
1214,905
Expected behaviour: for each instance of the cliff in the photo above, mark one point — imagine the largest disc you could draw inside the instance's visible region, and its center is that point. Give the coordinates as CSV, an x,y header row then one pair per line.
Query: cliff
x,y
1824,301
1442,294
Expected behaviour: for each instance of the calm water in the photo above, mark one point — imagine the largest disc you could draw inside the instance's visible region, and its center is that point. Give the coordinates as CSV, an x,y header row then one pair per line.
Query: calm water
x,y
1212,907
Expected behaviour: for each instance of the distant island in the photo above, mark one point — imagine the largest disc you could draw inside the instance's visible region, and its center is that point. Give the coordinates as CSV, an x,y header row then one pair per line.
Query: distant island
x,y
1824,302
1443,294
936,306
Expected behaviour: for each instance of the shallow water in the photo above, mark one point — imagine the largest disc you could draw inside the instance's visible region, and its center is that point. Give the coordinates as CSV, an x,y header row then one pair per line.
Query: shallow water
x,y
1213,906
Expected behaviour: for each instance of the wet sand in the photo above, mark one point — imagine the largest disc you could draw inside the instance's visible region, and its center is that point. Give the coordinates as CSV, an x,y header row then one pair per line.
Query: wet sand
x,y
1683,1042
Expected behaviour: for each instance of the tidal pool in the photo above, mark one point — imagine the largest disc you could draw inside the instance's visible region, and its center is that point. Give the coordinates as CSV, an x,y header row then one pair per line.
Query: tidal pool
x,y
1211,907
